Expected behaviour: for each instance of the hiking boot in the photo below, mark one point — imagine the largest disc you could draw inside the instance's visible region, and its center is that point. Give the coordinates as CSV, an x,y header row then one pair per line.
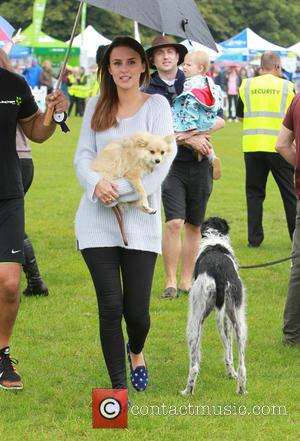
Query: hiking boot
x,y
9,377
35,284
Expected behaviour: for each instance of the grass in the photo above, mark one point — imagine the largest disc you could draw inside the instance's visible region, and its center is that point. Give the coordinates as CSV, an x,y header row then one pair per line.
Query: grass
x,y
56,338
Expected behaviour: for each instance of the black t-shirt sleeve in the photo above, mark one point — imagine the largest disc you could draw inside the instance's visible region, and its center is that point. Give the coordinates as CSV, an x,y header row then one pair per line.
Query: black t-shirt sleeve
x,y
240,108
27,105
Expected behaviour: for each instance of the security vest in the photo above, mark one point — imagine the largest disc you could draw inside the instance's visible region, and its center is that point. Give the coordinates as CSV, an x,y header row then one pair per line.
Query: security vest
x,y
72,86
266,99
94,85
83,88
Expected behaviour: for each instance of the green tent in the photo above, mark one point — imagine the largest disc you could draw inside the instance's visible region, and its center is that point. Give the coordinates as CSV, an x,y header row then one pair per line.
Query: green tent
x,y
45,47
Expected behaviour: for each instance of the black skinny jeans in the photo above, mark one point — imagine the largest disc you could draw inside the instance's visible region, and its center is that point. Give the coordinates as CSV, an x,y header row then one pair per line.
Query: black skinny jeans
x,y
122,279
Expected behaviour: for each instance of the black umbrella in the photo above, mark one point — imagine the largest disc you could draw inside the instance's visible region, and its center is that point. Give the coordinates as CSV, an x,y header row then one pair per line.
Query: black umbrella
x,y
174,17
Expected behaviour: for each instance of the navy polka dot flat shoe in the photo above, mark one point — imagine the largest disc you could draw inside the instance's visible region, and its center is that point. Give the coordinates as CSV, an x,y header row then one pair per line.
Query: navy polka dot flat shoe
x,y
139,375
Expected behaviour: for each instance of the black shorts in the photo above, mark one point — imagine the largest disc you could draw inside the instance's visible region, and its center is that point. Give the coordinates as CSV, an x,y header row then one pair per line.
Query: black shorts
x,y
186,190
12,230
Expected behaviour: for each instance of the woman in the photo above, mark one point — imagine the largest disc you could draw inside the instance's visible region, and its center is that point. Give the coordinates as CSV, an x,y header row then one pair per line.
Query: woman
x,y
122,276
233,82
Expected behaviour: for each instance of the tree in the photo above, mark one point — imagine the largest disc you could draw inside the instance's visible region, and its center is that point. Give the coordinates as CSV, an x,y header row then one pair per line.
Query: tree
x,y
276,20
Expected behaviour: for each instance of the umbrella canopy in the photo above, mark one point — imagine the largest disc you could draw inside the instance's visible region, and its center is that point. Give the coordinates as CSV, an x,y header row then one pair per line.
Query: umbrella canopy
x,y
6,30
174,17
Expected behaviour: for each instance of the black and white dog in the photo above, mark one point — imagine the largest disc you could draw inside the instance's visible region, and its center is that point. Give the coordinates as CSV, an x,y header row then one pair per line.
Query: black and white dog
x,y
217,285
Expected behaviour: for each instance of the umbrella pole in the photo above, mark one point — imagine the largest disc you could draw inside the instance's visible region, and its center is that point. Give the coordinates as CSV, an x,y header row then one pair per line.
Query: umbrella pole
x,y
49,112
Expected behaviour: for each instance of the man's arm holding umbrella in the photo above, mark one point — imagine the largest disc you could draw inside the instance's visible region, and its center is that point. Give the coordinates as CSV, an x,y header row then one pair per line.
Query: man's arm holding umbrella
x,y
34,127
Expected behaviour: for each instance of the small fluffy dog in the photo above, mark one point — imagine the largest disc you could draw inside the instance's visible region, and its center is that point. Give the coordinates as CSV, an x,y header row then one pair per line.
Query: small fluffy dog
x,y
217,284
131,158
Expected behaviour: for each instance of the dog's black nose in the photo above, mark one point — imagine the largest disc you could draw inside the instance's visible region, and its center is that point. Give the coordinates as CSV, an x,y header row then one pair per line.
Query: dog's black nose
x,y
157,161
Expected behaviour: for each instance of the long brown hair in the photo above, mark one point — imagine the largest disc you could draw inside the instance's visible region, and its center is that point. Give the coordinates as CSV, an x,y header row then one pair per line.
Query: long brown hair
x,y
5,62
105,114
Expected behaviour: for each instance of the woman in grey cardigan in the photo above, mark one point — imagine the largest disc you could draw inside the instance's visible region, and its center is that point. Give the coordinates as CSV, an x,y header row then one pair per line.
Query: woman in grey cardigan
x,y
122,276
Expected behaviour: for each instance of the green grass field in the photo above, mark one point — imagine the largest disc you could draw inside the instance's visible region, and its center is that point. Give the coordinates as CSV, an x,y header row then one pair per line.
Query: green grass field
x,y
57,343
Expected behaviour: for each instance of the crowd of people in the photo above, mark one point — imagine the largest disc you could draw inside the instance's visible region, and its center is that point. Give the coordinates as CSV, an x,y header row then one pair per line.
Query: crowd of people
x,y
79,84
187,101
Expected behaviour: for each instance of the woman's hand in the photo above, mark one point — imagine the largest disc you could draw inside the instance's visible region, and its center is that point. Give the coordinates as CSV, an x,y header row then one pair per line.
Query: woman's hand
x,y
106,191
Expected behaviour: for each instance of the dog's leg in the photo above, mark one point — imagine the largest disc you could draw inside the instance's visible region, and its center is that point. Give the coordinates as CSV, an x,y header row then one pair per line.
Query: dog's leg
x,y
199,308
241,334
229,333
240,327
143,201
225,330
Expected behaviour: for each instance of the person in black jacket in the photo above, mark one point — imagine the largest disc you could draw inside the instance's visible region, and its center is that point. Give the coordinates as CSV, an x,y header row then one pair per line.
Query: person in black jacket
x,y
186,189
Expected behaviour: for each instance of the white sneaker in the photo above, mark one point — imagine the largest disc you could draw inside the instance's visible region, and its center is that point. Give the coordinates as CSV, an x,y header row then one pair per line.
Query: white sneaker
x,y
236,120
229,120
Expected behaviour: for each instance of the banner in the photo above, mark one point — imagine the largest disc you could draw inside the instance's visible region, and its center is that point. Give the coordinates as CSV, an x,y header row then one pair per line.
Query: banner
x,y
39,7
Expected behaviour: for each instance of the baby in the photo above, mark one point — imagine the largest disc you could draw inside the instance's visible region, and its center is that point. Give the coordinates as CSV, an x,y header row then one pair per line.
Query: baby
x,y
195,109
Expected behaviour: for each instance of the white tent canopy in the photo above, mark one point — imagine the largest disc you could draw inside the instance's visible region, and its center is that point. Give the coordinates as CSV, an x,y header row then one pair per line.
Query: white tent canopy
x,y
295,48
200,47
89,41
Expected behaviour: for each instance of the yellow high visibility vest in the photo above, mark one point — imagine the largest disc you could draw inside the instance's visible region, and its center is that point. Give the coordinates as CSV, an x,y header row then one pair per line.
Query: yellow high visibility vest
x,y
82,90
266,99
71,88
94,85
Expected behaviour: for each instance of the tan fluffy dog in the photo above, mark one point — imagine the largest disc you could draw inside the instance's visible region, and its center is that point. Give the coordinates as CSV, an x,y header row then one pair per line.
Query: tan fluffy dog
x,y
131,158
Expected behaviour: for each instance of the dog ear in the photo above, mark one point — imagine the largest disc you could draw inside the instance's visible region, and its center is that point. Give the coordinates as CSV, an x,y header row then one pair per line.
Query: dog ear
x,y
140,140
203,227
217,223
169,138
225,226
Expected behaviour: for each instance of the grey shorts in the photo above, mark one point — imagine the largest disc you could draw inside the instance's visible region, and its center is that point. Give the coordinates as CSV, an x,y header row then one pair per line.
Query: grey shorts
x,y
12,230
186,190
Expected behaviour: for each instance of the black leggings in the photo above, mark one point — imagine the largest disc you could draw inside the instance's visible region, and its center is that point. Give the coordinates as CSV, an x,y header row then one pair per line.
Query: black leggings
x,y
107,267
